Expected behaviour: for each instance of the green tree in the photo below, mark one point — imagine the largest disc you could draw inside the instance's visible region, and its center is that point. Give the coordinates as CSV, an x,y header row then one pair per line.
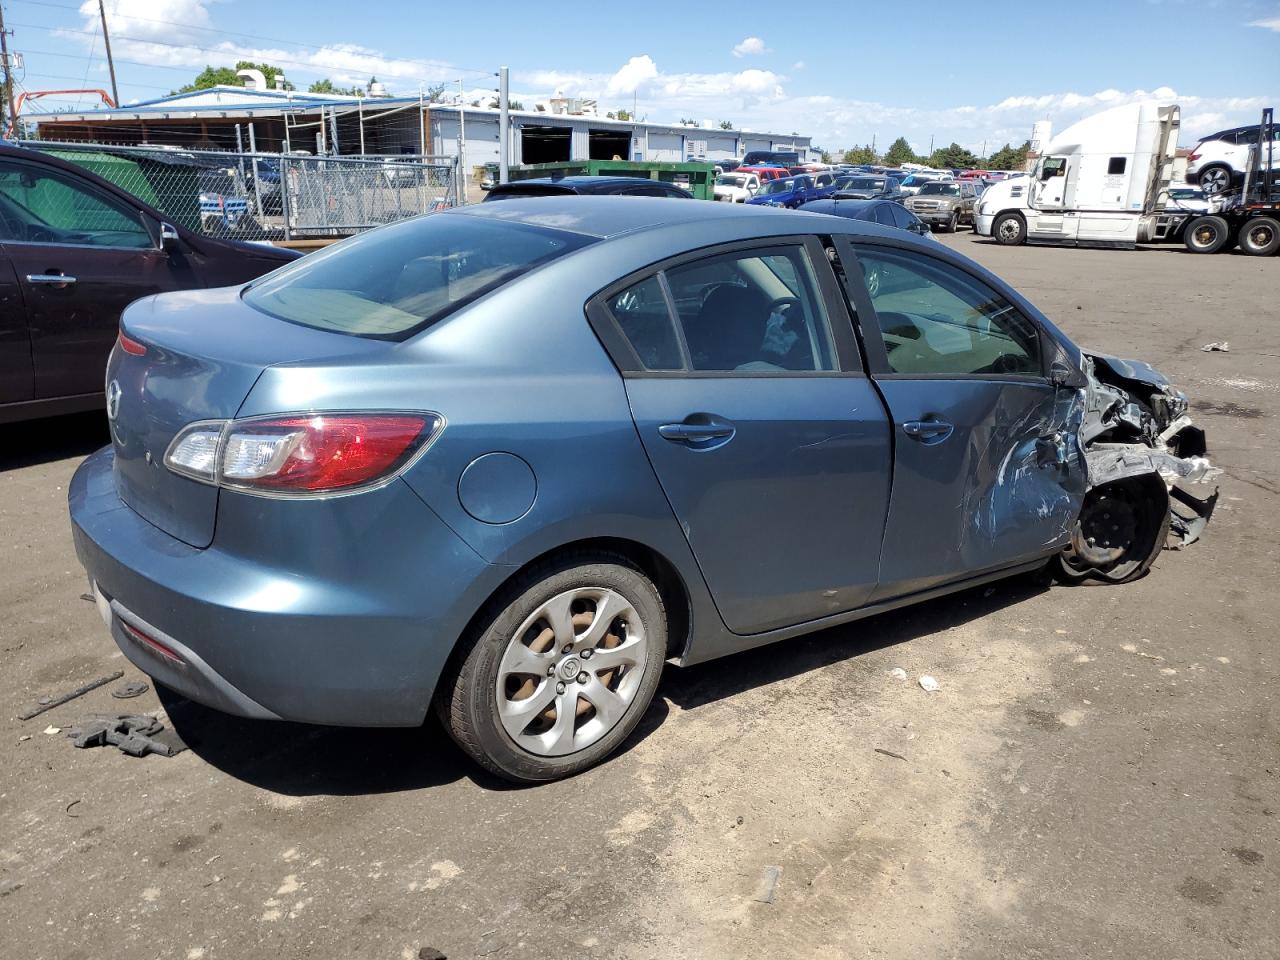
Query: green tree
x,y
326,86
226,76
953,157
900,152
824,155
726,124
624,114
1010,157
861,155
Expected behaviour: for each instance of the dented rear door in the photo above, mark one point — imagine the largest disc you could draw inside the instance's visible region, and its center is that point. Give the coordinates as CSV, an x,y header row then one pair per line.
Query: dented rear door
x,y
987,466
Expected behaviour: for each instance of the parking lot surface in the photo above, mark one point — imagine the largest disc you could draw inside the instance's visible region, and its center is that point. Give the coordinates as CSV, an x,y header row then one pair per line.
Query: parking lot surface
x,y
1097,776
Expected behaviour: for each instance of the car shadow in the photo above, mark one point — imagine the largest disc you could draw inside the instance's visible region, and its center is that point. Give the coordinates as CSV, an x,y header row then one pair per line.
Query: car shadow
x,y
34,442
299,759
705,683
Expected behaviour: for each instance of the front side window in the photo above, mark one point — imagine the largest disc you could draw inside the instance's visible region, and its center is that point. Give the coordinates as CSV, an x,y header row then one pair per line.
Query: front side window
x,y
937,319
754,311
391,282
40,205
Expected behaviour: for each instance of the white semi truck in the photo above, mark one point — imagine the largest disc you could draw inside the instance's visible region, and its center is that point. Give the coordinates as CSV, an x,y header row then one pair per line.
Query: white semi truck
x,y
1101,182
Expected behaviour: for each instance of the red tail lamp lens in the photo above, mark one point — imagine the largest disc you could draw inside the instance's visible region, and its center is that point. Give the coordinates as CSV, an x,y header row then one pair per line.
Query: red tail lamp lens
x,y
154,645
322,452
131,346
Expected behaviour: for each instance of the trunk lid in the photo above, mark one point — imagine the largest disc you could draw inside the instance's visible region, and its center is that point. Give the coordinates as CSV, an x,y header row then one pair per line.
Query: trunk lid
x,y
205,349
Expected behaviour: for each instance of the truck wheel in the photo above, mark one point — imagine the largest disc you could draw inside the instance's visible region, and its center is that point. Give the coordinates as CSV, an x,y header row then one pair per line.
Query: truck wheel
x,y
1009,229
1206,235
1260,237
1215,179
953,223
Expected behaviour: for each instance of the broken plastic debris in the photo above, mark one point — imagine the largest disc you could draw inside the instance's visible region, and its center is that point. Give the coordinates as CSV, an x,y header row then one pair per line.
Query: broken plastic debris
x,y
768,884
51,730
898,673
1218,346
928,684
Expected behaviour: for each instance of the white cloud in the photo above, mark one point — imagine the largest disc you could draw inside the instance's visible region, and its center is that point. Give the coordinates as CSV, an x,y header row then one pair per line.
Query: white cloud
x,y
798,65
1270,23
750,47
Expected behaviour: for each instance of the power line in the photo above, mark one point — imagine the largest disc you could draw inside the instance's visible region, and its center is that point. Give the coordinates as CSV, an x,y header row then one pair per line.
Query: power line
x,y
236,33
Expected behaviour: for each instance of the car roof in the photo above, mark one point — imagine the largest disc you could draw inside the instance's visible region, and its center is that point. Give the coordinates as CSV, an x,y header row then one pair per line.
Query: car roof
x,y
605,216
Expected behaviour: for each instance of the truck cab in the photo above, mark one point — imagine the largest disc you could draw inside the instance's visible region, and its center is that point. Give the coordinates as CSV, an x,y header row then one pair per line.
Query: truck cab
x,y
1101,182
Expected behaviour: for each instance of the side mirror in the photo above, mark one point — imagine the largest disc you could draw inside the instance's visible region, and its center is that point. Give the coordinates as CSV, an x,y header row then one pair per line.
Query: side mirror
x,y
1063,374
169,238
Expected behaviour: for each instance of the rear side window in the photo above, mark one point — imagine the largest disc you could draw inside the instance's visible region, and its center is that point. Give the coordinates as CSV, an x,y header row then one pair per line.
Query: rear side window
x,y
749,312
392,282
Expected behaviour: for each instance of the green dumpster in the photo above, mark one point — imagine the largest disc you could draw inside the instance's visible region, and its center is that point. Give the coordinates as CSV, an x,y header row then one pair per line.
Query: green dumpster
x,y
170,184
698,178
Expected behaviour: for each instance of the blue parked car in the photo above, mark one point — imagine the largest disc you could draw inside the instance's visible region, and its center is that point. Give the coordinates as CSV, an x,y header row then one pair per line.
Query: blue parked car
x,y
508,460
787,192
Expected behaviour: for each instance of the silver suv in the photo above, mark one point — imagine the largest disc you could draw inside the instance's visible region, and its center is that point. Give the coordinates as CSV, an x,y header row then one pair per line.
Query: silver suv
x,y
945,203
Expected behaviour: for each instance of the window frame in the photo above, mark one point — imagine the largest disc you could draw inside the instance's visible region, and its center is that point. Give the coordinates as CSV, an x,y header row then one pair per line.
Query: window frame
x,y
870,335
149,226
840,325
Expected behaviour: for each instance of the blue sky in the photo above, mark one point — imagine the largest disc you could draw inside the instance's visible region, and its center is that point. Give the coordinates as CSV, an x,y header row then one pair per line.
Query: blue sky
x,y
866,70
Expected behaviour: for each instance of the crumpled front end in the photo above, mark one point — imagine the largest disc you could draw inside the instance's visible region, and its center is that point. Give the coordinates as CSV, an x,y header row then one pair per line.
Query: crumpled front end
x,y
1142,452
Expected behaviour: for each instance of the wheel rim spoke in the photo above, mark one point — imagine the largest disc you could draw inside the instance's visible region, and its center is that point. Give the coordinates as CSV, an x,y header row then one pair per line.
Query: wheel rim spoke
x,y
556,696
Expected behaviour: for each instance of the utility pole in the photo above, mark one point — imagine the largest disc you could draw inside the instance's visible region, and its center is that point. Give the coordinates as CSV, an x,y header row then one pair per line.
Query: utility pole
x,y
462,146
504,125
931,144
111,64
8,76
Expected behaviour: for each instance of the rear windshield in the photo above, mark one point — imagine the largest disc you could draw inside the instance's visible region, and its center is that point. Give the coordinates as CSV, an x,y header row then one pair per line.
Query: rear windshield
x,y
860,183
392,282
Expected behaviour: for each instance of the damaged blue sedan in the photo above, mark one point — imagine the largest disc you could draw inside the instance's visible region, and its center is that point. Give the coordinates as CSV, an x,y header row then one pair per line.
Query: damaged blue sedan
x,y
509,461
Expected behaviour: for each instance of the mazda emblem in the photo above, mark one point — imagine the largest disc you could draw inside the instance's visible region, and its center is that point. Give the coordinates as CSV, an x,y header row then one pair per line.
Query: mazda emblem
x,y
113,400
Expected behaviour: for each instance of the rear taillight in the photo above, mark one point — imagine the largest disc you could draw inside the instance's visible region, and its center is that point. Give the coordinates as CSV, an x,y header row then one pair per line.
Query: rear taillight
x,y
131,346
301,454
1193,158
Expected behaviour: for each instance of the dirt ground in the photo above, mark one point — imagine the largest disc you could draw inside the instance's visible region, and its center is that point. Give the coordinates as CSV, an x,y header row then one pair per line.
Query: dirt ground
x,y
1098,776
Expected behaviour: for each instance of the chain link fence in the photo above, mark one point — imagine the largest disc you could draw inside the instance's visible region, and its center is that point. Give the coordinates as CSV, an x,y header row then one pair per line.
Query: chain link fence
x,y
270,196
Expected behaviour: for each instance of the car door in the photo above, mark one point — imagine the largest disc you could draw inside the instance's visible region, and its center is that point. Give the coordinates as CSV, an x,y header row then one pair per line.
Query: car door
x,y
80,255
987,468
763,430
16,381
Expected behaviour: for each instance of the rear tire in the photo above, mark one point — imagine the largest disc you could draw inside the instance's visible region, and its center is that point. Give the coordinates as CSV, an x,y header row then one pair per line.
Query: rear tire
x,y
1009,229
1206,234
953,223
1260,236
587,682
1215,179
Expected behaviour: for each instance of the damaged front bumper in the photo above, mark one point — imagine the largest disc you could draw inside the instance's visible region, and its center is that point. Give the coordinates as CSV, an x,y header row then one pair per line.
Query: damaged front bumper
x,y
1141,452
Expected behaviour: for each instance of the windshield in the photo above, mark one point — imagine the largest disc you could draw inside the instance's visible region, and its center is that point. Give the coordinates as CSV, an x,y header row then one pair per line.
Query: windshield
x,y
777,186
940,189
731,181
391,282
860,183
916,180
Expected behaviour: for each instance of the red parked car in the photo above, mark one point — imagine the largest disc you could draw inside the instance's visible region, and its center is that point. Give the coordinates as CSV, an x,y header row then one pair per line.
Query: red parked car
x,y
766,173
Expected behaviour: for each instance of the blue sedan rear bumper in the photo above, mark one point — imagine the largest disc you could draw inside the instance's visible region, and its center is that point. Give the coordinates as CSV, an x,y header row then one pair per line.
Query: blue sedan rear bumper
x,y
339,611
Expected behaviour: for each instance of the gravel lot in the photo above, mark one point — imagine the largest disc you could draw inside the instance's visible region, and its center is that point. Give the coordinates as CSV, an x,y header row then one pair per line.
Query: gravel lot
x,y
1099,775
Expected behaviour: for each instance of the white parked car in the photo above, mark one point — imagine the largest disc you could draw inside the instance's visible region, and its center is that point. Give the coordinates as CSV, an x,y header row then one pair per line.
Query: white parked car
x,y
736,187
1217,163
912,184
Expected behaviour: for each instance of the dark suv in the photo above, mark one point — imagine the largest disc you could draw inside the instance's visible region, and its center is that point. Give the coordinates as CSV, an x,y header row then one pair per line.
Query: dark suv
x,y
613,186
75,250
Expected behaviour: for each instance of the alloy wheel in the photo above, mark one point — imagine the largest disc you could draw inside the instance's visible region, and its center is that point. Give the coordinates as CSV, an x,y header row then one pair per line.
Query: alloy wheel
x,y
571,671
1215,180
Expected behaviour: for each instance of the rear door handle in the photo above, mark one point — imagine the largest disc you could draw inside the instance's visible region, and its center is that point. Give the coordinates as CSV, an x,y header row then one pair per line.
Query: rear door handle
x,y
928,431
58,278
701,431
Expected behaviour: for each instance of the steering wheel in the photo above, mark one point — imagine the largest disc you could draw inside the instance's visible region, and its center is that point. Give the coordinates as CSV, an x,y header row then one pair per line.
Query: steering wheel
x,y
783,305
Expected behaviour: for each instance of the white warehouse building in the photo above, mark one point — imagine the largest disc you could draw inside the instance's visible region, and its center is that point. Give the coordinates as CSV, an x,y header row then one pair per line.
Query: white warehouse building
x,y
231,118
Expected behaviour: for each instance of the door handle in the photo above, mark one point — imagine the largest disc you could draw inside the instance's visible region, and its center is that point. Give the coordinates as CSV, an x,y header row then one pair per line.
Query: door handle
x,y
928,431
55,278
701,431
